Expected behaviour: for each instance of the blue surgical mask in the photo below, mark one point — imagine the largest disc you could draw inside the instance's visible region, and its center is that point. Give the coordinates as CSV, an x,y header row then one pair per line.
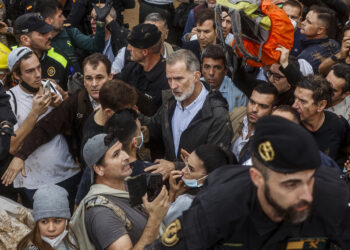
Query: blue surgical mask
x,y
193,183
141,136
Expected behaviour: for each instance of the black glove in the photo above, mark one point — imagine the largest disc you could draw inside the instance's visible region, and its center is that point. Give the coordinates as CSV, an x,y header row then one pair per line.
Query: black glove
x,y
101,13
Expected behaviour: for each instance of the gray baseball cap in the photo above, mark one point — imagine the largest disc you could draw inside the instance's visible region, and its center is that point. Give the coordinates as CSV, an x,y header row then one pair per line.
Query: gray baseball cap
x,y
94,149
16,55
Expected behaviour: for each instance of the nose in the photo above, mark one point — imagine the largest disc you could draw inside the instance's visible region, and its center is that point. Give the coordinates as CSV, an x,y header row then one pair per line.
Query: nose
x,y
295,104
255,107
306,193
125,155
94,82
51,227
201,35
172,84
211,71
223,24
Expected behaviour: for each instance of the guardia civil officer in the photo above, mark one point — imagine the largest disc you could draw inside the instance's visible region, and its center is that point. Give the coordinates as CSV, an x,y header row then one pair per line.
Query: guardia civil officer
x,y
285,201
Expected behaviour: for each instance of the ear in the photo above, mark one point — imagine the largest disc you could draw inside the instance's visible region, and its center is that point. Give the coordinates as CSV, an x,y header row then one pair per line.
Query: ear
x,y
197,76
321,105
25,40
256,177
321,30
110,76
98,170
48,20
345,94
16,76
145,52
166,33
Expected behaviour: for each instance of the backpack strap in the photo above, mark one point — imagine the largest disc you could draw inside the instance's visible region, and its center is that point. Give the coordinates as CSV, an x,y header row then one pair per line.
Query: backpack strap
x,y
100,200
14,100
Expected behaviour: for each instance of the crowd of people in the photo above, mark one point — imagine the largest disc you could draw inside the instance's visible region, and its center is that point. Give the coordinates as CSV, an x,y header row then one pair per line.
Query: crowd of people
x,y
166,135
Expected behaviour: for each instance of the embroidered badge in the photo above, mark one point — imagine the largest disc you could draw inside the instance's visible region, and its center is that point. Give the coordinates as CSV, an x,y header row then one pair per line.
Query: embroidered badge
x,y
170,237
266,151
51,71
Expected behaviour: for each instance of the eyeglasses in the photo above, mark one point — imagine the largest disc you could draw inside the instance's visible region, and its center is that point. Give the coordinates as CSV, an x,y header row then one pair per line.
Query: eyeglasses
x,y
276,76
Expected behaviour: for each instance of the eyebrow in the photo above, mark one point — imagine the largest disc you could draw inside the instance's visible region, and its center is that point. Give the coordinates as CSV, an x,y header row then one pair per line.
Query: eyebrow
x,y
298,180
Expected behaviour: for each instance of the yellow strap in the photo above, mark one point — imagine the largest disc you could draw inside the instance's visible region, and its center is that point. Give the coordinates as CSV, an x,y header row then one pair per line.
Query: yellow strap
x,y
58,57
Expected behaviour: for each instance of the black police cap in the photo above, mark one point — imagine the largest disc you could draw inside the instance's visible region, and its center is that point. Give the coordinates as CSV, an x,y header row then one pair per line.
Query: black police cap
x,y
284,146
144,36
31,22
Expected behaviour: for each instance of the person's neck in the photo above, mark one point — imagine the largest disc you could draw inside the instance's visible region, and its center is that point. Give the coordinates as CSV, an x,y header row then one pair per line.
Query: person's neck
x,y
337,102
267,208
116,184
251,128
196,92
316,37
40,91
315,122
54,33
38,52
150,61
203,48
132,155
107,35
162,50
100,117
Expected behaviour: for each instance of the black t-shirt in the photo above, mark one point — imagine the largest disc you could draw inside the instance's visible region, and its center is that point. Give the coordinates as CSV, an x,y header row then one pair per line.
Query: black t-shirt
x,y
91,128
332,135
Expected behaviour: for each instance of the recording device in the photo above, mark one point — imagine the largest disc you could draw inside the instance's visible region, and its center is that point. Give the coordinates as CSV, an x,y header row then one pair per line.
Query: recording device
x,y
46,86
141,184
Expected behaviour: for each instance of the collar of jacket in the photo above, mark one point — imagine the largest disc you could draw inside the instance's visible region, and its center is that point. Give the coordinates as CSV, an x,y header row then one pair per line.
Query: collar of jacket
x,y
213,99
314,41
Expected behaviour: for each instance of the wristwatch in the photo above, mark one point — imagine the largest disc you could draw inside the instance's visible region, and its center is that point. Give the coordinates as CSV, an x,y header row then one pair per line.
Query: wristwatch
x,y
335,59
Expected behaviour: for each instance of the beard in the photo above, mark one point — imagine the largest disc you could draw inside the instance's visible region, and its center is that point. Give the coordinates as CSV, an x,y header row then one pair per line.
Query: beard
x,y
289,214
185,95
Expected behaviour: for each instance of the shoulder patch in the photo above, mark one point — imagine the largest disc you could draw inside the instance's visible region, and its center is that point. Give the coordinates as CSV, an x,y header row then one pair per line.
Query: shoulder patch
x,y
51,71
170,237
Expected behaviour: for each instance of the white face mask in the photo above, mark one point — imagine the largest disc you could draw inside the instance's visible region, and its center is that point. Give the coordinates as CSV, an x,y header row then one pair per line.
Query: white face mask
x,y
56,241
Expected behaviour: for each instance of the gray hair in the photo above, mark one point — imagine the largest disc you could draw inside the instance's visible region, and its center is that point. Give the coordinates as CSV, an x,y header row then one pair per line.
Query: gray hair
x,y
156,17
186,56
113,13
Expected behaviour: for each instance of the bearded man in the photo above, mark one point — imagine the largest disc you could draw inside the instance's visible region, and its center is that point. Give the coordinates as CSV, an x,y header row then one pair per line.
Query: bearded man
x,y
191,114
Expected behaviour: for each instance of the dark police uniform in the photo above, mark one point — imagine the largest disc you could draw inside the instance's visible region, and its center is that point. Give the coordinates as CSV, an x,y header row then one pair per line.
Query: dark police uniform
x,y
151,83
228,215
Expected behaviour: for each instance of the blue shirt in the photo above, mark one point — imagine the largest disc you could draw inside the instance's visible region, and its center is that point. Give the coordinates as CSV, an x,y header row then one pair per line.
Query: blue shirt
x,y
183,116
108,51
234,97
232,94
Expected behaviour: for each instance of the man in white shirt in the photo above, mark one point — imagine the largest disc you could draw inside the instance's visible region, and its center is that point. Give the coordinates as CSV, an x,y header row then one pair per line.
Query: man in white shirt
x,y
52,162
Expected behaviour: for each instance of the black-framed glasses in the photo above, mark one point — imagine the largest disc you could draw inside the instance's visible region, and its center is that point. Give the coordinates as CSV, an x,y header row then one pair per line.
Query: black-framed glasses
x,y
276,76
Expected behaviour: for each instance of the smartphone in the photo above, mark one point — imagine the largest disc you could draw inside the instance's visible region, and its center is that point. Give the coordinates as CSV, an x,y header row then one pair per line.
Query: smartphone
x,y
137,187
155,184
46,86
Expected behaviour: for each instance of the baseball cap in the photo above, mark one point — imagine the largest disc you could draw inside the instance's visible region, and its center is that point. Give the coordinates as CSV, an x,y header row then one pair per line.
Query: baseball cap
x,y
16,55
31,22
94,149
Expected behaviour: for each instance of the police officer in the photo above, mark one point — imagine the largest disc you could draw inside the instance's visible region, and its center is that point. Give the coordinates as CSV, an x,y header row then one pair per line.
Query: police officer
x,y
69,39
286,200
32,31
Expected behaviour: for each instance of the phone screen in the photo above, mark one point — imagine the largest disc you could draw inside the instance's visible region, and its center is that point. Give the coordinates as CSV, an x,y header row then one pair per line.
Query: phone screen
x,y
154,187
47,86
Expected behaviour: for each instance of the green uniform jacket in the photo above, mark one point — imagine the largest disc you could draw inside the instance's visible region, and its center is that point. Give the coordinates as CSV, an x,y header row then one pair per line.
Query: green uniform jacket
x,y
69,44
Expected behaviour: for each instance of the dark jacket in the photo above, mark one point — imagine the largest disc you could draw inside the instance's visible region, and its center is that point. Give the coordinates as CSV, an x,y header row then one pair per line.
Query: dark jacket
x,y
119,36
211,125
316,50
228,215
68,118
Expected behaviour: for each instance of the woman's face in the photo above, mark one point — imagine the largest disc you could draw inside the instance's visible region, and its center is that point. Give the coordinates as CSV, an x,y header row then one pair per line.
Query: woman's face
x,y
51,227
194,168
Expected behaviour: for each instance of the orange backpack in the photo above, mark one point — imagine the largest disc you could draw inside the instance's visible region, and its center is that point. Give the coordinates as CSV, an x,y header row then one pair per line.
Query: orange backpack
x,y
258,29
